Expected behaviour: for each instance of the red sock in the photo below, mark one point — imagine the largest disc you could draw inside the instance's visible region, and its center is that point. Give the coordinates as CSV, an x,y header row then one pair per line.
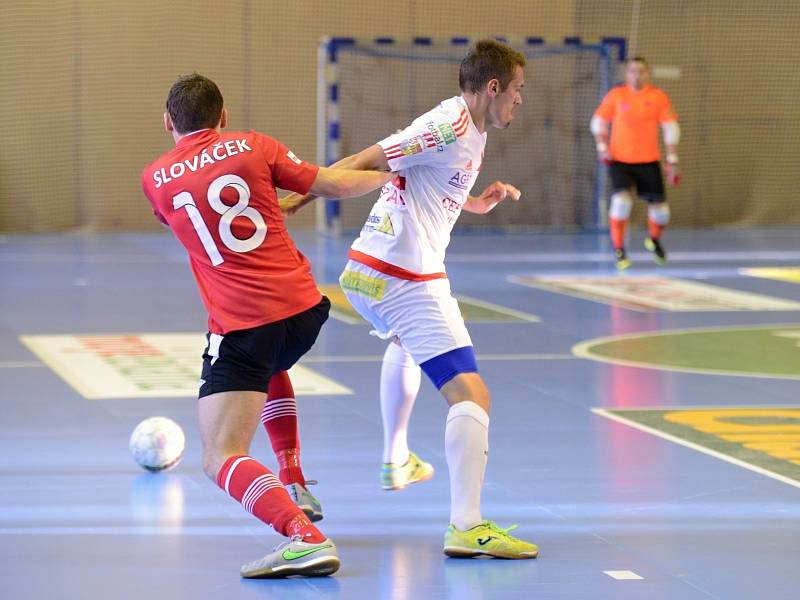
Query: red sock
x,y
280,420
261,494
617,228
655,229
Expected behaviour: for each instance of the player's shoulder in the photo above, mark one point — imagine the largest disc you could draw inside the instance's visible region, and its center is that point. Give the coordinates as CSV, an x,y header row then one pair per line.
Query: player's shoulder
x,y
658,92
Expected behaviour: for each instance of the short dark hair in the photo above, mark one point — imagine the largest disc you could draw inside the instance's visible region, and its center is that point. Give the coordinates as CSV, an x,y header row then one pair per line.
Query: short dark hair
x,y
639,59
487,60
194,102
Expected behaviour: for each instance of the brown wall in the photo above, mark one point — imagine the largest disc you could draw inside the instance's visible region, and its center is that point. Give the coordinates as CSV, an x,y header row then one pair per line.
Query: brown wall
x,y
85,82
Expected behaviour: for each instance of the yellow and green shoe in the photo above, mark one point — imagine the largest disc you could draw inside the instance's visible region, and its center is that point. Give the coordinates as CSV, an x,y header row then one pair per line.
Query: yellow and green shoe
x,y
396,477
487,539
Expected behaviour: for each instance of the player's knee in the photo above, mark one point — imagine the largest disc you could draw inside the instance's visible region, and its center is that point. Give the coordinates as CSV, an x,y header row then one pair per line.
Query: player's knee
x,y
620,208
659,213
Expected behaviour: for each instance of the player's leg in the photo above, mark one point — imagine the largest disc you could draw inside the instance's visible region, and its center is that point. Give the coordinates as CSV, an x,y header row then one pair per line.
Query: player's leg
x,y
467,449
279,418
228,412
368,291
619,211
650,186
280,411
400,381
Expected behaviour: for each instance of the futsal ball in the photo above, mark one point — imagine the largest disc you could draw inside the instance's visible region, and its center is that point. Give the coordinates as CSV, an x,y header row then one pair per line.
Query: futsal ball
x,y
157,444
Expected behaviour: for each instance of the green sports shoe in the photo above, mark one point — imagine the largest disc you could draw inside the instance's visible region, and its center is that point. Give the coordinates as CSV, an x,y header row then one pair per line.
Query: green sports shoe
x,y
295,557
487,539
395,477
305,500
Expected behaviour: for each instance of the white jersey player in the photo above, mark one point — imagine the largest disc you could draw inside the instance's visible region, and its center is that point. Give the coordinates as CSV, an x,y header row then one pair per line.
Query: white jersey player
x,y
395,278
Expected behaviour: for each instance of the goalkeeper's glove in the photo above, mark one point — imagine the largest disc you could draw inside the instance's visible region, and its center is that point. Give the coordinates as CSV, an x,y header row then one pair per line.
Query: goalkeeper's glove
x,y
673,172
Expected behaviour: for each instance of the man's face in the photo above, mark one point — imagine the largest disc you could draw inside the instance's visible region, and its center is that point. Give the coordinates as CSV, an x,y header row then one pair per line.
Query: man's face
x,y
637,75
501,111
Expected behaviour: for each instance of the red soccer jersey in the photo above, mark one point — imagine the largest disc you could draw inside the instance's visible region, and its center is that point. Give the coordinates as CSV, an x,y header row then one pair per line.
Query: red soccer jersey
x,y
217,194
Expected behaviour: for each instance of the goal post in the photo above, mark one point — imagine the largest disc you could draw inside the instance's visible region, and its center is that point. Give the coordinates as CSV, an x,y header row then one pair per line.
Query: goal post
x,y
369,88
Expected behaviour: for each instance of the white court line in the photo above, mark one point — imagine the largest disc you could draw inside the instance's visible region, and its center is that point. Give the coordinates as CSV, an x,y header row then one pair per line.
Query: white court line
x,y
739,463
585,350
622,575
607,257
500,309
481,357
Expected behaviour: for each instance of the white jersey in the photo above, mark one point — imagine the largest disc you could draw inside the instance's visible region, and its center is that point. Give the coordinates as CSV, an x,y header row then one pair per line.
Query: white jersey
x,y
437,159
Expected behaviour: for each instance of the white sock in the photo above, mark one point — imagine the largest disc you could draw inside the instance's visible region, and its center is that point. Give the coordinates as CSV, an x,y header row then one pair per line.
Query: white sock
x,y
400,380
466,443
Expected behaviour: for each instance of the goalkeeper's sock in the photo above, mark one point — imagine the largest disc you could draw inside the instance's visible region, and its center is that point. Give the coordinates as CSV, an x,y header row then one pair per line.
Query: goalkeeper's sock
x,y
654,229
617,228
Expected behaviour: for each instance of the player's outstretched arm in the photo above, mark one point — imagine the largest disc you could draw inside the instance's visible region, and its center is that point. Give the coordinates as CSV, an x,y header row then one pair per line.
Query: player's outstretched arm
x,y
491,197
347,183
369,159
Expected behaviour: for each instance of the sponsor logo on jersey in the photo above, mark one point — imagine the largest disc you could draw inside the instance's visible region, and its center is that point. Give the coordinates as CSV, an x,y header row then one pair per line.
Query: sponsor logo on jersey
x,y
392,192
381,224
448,133
413,145
453,207
461,180
293,157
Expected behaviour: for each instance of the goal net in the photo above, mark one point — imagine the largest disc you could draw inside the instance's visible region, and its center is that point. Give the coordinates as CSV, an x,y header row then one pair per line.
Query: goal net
x,y
370,88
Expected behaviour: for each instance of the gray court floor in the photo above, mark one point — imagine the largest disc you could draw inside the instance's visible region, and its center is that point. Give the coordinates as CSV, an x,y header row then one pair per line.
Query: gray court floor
x,y
621,508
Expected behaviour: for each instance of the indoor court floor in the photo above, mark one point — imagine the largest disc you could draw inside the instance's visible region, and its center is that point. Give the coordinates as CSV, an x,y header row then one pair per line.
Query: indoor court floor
x,y
645,429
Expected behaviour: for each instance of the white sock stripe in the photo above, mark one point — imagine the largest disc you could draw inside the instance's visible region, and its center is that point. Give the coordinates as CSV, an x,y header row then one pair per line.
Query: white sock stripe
x,y
232,469
258,488
277,414
278,408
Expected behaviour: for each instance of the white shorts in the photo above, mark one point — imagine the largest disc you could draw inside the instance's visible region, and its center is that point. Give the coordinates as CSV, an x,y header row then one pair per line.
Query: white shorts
x,y
423,315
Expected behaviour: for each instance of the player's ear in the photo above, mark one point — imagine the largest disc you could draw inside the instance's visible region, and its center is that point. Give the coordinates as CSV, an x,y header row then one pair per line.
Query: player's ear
x,y
223,119
493,87
168,122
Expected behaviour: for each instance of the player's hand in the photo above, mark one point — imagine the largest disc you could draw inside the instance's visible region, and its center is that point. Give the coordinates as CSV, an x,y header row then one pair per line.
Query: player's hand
x,y
603,155
673,173
499,191
293,202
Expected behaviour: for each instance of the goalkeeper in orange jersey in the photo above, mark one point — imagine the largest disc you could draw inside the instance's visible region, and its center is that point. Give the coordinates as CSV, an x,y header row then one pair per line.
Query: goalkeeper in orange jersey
x,y
635,110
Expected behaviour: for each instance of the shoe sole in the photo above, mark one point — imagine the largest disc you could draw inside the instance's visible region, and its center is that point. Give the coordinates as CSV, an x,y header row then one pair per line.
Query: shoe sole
x,y
321,567
461,552
394,488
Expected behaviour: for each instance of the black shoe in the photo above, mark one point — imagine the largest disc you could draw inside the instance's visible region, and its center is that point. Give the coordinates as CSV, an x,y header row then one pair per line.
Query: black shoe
x,y
654,246
622,259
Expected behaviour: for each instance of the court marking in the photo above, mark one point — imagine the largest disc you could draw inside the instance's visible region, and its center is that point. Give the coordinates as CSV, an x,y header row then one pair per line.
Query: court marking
x,y
144,365
343,311
584,350
618,416
623,575
647,293
790,274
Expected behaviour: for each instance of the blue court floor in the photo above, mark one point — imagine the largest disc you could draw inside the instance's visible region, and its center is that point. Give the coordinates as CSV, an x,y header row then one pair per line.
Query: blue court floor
x,y
620,510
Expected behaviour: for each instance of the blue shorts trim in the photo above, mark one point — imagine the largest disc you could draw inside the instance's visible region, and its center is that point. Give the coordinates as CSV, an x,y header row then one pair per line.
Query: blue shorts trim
x,y
441,369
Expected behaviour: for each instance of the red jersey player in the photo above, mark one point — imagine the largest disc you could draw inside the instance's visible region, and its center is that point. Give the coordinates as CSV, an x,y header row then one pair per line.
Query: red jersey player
x,y
217,192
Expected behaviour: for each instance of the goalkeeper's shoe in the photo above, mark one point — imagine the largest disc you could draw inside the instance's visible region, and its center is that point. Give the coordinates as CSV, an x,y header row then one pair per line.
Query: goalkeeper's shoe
x,y
305,500
295,557
622,261
654,246
396,477
487,539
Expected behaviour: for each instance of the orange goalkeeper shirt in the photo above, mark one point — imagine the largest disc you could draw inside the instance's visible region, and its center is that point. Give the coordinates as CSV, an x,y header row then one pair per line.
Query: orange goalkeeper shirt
x,y
635,117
